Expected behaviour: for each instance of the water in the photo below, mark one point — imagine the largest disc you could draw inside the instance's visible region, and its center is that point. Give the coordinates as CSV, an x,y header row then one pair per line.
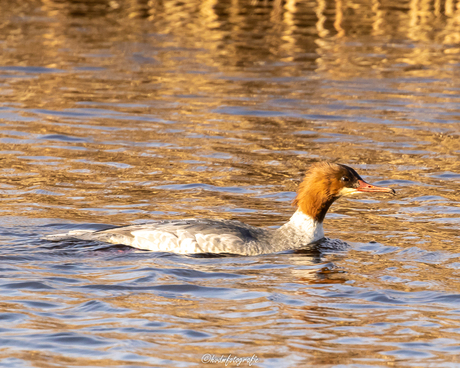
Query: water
x,y
122,112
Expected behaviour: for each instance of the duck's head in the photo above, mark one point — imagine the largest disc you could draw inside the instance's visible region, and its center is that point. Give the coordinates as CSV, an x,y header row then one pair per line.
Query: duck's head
x,y
324,183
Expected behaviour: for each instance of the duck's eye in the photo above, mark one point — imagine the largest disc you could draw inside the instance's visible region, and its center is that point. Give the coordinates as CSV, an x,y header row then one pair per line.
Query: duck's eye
x,y
344,179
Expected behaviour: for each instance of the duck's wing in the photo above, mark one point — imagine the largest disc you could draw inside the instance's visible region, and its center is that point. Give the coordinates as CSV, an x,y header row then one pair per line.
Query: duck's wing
x,y
178,236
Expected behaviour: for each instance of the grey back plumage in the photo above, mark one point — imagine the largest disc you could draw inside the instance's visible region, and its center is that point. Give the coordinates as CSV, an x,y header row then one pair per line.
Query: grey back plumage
x,y
185,236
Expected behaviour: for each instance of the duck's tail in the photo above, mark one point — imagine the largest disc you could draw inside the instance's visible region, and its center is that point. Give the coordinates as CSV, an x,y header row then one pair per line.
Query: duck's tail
x,y
74,234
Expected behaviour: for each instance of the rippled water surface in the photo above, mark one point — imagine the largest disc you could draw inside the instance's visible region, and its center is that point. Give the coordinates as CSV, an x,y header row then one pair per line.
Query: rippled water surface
x,y
123,112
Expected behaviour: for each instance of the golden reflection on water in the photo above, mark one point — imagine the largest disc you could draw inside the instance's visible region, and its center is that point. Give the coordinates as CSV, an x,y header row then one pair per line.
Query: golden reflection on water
x,y
125,111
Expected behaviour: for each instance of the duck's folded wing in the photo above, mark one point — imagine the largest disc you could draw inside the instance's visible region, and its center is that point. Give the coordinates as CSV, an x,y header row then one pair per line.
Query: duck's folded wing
x,y
190,236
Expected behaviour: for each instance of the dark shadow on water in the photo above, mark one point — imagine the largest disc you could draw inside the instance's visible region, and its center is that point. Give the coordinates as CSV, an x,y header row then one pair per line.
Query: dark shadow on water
x,y
213,255
324,246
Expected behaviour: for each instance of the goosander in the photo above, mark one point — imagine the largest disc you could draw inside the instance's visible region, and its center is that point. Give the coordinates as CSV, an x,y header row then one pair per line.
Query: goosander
x,y
323,184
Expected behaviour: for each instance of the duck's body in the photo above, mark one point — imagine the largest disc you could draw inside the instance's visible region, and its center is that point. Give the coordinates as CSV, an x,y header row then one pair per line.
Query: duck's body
x,y
208,236
323,184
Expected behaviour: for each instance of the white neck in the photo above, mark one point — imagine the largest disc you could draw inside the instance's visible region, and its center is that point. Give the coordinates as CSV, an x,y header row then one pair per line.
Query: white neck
x,y
301,230
306,226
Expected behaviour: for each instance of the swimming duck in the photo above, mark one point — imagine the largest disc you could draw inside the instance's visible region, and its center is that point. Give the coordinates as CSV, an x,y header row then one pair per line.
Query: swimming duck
x,y
323,184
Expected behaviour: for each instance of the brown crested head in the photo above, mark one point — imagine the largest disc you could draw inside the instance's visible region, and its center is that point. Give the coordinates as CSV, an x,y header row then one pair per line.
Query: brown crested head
x,y
324,183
